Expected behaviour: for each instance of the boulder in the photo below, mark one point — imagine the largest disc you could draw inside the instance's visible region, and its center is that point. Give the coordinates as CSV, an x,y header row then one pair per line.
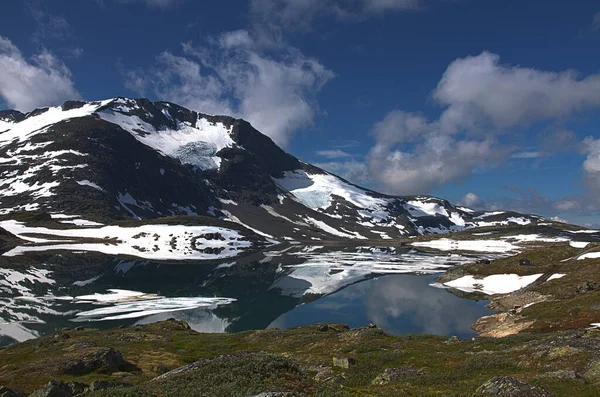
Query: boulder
x,y
525,262
58,388
510,387
104,360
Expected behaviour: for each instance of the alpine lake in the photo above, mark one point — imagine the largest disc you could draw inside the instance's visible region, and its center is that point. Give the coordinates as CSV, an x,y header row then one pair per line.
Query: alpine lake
x,y
281,287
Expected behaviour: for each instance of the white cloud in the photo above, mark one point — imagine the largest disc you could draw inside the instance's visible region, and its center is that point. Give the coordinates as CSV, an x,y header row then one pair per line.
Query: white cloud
x,y
299,14
596,21
232,75
479,91
527,155
49,26
155,3
470,200
591,147
354,171
558,219
435,161
332,154
42,81
481,99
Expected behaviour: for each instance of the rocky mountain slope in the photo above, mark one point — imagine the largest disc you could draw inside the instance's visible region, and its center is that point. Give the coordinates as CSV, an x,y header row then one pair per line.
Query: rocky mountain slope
x,y
132,158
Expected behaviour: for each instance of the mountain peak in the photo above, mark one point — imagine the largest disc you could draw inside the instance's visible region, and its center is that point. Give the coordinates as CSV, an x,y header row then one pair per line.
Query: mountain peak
x,y
132,157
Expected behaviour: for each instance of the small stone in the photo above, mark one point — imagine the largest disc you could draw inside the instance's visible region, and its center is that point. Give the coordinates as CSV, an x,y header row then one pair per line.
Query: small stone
x,y
343,362
525,262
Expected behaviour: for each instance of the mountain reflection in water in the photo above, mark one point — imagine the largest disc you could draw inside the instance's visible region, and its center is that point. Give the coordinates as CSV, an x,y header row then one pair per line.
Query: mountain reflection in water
x,y
398,304
272,288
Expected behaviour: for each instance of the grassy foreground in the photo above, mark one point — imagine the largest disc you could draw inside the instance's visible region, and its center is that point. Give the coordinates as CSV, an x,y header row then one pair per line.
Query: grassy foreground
x,y
299,361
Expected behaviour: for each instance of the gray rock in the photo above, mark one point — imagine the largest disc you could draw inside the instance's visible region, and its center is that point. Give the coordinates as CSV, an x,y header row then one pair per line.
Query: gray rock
x,y
58,388
105,385
104,360
395,374
6,392
563,374
510,387
343,362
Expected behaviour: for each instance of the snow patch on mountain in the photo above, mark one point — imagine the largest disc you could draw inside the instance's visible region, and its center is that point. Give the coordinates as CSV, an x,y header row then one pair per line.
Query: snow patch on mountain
x,y
85,182
196,144
33,125
419,208
316,191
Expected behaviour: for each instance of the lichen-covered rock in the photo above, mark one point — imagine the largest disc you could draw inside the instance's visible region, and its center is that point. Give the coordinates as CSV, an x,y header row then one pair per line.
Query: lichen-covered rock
x,y
343,362
510,387
395,374
593,372
104,360
105,385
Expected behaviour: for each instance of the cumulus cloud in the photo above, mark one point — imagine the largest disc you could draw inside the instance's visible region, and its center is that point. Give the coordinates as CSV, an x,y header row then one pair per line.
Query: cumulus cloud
x,y
232,75
27,84
481,100
479,91
435,161
471,200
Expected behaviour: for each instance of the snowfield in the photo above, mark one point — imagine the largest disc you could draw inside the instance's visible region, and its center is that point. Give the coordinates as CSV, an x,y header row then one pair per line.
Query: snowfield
x,y
446,244
316,190
496,284
191,144
159,242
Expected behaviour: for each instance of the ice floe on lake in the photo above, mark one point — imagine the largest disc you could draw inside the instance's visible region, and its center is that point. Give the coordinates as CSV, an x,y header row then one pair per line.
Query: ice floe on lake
x,y
124,304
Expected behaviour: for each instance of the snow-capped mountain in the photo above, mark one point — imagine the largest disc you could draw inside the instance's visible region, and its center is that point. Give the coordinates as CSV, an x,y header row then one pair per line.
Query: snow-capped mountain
x,y
132,158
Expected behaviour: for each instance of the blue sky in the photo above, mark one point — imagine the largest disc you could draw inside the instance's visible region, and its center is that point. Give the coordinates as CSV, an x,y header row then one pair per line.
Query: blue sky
x,y
492,104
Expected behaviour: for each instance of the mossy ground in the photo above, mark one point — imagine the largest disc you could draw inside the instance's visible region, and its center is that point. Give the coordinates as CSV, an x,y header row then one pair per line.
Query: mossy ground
x,y
286,361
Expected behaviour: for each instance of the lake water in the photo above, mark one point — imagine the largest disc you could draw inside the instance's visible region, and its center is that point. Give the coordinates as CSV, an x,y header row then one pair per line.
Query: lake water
x,y
287,287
